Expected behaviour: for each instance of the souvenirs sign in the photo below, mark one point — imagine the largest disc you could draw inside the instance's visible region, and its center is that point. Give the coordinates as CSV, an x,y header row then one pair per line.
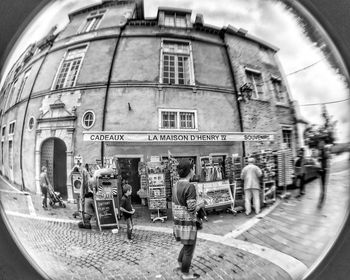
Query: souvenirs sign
x,y
156,137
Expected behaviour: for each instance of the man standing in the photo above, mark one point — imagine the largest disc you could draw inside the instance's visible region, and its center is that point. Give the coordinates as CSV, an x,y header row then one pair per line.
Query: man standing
x,y
300,171
251,176
44,185
324,168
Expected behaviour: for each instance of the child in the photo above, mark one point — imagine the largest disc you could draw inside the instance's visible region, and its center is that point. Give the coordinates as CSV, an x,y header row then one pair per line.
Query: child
x,y
127,209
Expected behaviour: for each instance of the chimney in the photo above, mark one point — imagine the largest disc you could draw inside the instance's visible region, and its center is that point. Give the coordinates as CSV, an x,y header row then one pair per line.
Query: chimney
x,y
199,20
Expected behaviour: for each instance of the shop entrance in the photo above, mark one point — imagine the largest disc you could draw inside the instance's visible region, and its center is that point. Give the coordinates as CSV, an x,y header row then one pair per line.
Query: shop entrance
x,y
129,172
53,156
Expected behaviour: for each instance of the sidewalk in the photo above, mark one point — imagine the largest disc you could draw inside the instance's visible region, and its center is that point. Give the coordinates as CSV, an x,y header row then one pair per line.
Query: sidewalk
x,y
282,243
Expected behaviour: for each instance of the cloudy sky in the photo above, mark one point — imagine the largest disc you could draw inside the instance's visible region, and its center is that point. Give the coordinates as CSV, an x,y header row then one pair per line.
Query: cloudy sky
x,y
265,19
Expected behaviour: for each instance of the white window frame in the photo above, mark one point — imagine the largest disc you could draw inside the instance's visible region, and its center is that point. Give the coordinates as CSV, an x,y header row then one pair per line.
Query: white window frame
x,y
23,83
177,126
10,94
34,120
13,124
280,97
254,72
83,119
191,66
93,17
64,59
173,16
289,128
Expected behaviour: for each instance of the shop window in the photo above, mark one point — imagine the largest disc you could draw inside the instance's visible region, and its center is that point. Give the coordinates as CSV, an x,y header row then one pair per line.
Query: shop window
x,y
12,127
69,69
31,123
287,137
175,20
88,119
176,64
255,79
176,119
24,80
277,89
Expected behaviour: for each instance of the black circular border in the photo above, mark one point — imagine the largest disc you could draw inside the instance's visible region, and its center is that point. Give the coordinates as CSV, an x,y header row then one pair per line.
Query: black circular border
x,y
332,14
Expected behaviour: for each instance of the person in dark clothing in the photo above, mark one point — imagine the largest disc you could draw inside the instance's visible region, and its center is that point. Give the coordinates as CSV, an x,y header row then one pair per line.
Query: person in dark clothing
x,y
44,185
300,171
323,172
185,207
127,209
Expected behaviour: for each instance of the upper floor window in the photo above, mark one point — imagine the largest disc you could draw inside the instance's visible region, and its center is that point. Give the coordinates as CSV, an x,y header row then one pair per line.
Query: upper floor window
x,y
3,131
21,87
88,119
178,119
176,63
277,89
91,24
69,69
175,20
12,127
31,123
10,95
254,77
287,137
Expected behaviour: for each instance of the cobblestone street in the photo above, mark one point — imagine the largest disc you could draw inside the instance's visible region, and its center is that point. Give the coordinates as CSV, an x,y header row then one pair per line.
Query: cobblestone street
x,y
282,243
66,252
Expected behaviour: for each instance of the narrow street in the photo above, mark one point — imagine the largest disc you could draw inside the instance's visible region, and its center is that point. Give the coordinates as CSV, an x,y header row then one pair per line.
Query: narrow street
x,y
283,242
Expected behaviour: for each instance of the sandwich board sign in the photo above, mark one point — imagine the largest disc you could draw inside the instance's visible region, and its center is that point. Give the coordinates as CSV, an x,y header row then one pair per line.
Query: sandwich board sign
x,y
105,207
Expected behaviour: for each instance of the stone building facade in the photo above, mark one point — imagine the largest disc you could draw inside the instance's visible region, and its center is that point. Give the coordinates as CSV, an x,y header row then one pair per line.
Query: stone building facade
x,y
112,70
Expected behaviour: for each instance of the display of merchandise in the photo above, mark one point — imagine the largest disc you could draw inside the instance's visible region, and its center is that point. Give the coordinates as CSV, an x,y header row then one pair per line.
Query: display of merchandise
x,y
211,170
285,167
156,189
215,194
267,162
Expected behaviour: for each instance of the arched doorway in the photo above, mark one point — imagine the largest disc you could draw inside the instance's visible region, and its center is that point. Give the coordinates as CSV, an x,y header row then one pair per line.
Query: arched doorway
x,y
54,157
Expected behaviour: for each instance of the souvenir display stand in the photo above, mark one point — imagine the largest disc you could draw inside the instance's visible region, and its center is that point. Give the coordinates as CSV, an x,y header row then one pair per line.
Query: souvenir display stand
x,y
234,170
285,170
216,194
157,203
106,200
266,161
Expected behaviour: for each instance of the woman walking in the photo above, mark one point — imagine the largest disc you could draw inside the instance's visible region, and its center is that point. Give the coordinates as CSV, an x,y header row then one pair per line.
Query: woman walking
x,y
185,216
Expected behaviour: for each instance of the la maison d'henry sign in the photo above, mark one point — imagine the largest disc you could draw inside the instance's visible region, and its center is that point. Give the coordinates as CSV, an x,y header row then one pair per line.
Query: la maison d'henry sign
x,y
154,137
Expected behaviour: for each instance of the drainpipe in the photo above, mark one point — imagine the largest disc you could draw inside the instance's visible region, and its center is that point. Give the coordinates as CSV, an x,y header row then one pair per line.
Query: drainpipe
x,y
108,87
25,115
223,36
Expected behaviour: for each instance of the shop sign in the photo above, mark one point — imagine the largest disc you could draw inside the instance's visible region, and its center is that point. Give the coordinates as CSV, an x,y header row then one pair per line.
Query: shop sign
x,y
157,137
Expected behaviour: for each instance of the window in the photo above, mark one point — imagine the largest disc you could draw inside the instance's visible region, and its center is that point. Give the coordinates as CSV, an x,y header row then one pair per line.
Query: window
x,y
178,119
277,88
24,80
12,128
90,24
68,71
10,154
175,20
287,137
177,66
10,95
254,77
31,123
3,131
88,119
